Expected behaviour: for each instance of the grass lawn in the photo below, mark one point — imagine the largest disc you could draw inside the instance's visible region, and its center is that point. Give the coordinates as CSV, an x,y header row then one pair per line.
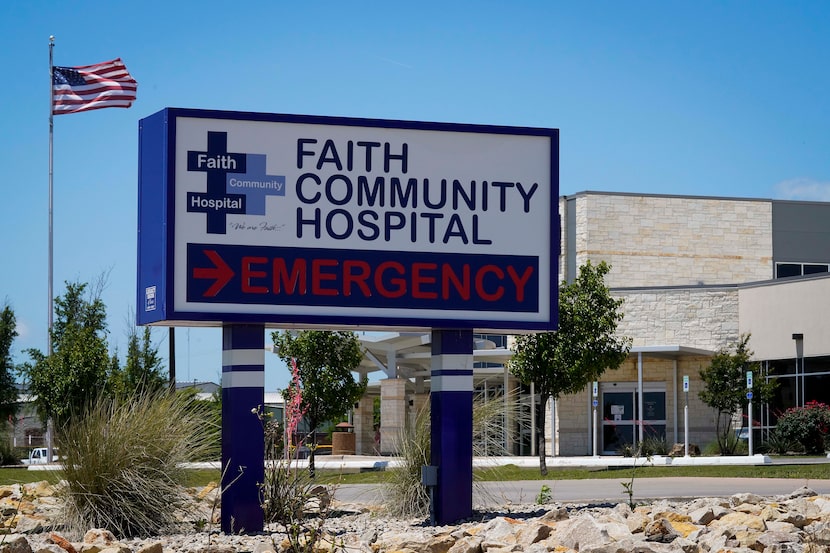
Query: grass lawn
x,y
506,473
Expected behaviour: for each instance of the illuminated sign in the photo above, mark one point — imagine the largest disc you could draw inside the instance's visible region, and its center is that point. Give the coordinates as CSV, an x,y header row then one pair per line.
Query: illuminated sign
x,y
295,221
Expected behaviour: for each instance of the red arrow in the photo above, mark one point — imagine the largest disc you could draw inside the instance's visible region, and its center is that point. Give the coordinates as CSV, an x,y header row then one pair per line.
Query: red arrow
x,y
221,273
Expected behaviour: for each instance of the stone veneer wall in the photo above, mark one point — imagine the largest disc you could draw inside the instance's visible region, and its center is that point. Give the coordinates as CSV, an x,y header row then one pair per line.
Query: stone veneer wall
x,y
671,241
703,318
394,413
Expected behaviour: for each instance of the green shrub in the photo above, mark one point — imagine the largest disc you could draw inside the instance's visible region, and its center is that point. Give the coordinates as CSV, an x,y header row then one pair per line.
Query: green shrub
x,y
806,426
777,445
734,446
122,462
8,453
654,445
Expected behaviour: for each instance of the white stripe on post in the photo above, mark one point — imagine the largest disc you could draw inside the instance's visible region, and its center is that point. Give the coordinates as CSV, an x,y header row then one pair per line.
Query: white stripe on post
x,y
452,383
243,379
238,357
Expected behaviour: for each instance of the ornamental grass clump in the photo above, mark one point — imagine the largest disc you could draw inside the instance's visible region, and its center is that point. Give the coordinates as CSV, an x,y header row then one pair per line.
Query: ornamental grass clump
x,y
496,422
404,495
122,462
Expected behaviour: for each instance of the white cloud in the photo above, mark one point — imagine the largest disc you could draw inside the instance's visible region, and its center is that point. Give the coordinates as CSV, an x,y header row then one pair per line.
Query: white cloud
x,y
803,188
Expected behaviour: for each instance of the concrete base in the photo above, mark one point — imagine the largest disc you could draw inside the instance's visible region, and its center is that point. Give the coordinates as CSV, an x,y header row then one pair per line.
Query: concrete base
x,y
757,459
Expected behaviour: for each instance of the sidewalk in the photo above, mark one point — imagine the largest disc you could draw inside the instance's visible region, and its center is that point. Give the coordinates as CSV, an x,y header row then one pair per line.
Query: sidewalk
x,y
357,463
344,462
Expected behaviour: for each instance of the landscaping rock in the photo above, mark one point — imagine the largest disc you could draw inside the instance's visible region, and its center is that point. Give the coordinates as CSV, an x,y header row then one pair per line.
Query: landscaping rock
x,y
744,523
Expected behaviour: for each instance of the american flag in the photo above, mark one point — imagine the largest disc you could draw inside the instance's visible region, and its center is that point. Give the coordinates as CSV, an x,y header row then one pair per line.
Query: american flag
x,y
102,85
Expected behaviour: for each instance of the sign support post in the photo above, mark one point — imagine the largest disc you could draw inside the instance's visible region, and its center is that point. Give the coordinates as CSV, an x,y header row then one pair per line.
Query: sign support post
x,y
749,408
686,417
243,449
451,431
594,403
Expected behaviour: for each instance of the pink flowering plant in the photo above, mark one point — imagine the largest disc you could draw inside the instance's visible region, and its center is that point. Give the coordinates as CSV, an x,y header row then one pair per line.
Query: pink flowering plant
x,y
806,427
295,411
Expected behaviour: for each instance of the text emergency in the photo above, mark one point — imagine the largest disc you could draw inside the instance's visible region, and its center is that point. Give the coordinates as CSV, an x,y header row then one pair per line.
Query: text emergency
x,y
360,278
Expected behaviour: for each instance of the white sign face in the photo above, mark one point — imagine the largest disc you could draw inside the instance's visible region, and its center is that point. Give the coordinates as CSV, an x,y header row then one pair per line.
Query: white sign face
x,y
595,389
749,379
685,383
299,220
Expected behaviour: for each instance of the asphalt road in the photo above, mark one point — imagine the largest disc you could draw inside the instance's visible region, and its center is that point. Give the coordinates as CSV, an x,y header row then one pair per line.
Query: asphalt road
x,y
500,494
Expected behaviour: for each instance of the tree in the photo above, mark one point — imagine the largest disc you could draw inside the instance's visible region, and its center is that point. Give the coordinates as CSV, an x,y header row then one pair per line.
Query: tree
x,y
325,360
8,390
579,351
724,389
69,378
143,369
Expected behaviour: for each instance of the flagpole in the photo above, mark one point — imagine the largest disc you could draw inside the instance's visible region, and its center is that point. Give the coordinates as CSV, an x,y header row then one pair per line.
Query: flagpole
x,y
49,445
51,173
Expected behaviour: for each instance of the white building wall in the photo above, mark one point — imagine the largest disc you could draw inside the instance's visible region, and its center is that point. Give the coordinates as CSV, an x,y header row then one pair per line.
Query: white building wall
x,y
772,312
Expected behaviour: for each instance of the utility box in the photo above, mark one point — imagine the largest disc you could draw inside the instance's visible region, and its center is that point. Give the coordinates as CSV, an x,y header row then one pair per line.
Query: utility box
x,y
343,439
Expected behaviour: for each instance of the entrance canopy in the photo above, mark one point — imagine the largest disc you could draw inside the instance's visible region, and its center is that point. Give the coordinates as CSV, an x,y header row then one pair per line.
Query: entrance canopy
x,y
670,352
409,354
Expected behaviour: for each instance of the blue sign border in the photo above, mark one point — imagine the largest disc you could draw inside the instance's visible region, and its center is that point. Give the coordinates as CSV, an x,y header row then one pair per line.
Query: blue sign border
x,y
156,224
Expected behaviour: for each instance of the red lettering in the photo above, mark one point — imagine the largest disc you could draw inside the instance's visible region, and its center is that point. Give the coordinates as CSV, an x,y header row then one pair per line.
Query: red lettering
x,y
419,279
318,277
296,282
520,282
436,284
449,277
400,283
248,273
495,296
356,272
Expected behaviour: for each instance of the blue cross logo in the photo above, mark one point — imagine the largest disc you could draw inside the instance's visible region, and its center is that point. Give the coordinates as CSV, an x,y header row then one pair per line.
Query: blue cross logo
x,y
256,184
243,174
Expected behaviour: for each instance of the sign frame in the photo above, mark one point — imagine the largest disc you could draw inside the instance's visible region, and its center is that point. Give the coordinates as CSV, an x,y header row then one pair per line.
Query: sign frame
x,y
159,248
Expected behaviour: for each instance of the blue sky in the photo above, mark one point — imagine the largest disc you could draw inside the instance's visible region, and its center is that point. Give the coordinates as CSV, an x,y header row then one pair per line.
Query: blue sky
x,y
708,98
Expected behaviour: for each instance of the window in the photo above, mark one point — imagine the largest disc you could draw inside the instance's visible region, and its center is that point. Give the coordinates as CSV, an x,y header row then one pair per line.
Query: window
x,y
783,270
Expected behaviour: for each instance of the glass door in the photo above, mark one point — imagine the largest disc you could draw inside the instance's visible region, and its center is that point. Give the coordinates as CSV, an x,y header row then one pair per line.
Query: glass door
x,y
620,419
617,421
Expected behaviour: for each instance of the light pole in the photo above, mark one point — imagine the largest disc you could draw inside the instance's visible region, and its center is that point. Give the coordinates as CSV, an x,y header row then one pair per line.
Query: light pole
x,y
799,360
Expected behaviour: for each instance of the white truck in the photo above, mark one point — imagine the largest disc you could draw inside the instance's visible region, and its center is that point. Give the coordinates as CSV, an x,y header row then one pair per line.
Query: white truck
x,y
39,456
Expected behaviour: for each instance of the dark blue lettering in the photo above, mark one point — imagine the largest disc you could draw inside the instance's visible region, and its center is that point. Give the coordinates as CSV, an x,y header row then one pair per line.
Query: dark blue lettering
x,y
458,191
389,156
314,222
368,147
432,217
302,197
302,152
347,197
401,196
503,195
372,196
368,220
442,202
329,155
347,217
455,229
390,226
